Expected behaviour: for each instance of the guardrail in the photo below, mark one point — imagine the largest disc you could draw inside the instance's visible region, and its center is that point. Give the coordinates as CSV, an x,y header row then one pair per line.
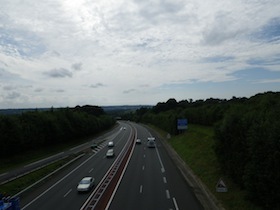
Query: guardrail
x,y
103,191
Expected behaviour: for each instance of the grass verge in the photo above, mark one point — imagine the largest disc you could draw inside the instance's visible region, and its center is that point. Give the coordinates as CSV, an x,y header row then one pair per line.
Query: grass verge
x,y
196,148
17,185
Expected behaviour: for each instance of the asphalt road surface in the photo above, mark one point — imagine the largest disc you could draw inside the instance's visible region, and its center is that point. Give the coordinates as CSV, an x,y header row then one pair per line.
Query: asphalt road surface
x,y
150,181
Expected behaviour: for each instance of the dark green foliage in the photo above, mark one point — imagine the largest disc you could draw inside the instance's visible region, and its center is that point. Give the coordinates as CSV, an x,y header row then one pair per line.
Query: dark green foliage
x,y
248,147
247,133
165,115
34,130
93,110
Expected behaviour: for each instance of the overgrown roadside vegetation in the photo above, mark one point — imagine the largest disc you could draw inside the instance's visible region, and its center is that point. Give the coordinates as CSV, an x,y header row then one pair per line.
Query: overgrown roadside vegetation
x,y
33,131
195,147
17,185
23,159
30,135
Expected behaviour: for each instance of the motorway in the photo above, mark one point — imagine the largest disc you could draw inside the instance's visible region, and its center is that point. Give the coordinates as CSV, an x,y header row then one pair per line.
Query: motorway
x,y
150,180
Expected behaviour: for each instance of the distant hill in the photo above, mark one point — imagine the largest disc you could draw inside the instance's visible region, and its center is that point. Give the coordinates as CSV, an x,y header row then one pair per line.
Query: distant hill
x,y
19,111
105,108
124,107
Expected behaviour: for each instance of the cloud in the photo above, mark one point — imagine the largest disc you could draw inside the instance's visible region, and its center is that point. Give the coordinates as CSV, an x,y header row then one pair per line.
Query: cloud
x,y
60,91
223,28
158,11
6,75
9,87
77,66
12,95
129,91
97,85
58,73
173,45
38,90
217,59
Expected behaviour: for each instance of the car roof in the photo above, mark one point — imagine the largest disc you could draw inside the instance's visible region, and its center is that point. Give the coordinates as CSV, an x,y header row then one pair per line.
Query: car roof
x,y
87,178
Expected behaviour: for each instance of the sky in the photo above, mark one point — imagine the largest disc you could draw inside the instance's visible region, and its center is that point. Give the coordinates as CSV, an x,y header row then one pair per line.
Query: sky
x,y
63,53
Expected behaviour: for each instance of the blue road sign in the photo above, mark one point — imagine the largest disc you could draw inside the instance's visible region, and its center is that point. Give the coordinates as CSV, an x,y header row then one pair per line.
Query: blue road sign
x,y
182,124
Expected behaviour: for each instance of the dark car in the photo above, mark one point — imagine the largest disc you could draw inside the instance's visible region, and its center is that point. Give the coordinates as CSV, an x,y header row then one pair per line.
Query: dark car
x,y
93,146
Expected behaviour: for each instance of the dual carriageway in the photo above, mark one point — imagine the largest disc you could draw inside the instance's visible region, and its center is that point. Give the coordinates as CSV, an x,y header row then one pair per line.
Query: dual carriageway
x,y
137,178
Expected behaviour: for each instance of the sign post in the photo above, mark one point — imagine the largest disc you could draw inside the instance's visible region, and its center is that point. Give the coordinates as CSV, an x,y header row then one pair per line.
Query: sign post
x,y
221,186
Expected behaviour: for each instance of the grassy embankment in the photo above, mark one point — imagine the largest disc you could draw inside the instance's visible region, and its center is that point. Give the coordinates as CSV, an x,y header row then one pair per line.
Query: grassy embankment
x,y
17,185
195,147
23,182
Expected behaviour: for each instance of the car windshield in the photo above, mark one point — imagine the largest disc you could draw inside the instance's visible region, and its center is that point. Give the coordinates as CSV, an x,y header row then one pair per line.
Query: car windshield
x,y
84,182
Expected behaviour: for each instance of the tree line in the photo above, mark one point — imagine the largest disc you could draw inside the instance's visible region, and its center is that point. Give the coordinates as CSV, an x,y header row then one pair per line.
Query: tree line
x,y
247,138
34,130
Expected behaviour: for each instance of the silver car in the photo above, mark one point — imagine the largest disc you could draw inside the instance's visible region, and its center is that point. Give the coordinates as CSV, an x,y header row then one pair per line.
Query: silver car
x,y
86,184
110,153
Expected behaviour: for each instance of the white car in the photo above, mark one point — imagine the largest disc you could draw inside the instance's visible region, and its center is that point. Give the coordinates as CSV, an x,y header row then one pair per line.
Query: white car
x,y
86,184
151,142
151,138
110,153
110,144
138,141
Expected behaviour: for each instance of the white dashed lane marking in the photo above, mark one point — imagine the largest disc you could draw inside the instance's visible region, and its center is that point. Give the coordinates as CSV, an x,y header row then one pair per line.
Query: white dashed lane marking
x,y
141,189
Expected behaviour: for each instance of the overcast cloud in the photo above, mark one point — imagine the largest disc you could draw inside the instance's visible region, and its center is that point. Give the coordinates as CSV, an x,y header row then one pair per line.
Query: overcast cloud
x,y
121,52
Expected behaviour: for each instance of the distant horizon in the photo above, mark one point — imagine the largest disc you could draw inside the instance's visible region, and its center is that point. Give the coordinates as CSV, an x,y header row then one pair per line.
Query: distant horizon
x,y
123,105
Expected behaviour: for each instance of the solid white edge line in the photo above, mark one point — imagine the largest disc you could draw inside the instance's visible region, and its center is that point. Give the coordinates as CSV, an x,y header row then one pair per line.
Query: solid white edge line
x,y
35,199
3,174
39,161
160,161
175,203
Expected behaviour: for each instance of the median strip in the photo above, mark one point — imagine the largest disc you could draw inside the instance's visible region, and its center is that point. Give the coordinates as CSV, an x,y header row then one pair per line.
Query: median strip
x,y
103,193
